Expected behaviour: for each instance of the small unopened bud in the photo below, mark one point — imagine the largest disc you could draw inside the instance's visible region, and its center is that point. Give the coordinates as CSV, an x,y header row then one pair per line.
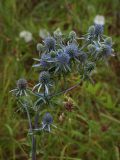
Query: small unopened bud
x,y
22,84
47,119
53,54
39,47
44,77
57,33
72,35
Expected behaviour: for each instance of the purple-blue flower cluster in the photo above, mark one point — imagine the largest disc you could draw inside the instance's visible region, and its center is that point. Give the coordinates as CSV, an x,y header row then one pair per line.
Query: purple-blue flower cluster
x,y
59,55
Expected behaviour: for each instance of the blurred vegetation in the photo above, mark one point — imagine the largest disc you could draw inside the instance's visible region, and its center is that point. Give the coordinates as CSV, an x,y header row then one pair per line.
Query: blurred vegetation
x,y
91,131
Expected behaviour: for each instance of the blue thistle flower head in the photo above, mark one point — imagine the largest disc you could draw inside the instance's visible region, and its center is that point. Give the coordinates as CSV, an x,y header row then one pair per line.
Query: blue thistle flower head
x,y
47,119
62,57
71,50
44,82
21,89
50,43
22,84
44,77
47,122
98,30
44,60
106,50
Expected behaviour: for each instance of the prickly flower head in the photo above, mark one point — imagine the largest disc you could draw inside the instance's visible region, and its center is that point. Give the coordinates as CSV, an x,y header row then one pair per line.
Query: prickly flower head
x,y
22,84
47,119
44,77
72,35
98,30
106,50
71,50
39,47
50,43
62,57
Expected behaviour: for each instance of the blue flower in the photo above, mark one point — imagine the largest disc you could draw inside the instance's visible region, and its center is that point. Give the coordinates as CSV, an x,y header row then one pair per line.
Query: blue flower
x,y
98,30
62,57
93,49
106,50
47,122
50,43
44,77
62,62
47,119
71,50
21,88
43,61
44,82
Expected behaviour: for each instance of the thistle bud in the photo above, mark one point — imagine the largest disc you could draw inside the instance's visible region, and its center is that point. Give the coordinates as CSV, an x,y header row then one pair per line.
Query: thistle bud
x,y
98,30
47,119
53,54
72,35
39,47
22,84
50,43
57,33
44,77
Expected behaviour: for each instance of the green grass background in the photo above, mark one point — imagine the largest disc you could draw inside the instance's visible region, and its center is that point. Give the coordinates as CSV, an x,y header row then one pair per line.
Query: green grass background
x,y
92,130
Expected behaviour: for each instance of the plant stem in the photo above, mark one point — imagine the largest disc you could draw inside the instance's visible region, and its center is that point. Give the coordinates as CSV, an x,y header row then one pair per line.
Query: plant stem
x,y
33,137
36,119
31,130
29,119
33,148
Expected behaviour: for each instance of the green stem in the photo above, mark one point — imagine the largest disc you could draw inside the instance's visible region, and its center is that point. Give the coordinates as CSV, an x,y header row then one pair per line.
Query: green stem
x,y
31,130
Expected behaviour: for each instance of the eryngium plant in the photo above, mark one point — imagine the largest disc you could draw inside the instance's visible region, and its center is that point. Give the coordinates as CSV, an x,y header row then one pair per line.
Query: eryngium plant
x,y
60,55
